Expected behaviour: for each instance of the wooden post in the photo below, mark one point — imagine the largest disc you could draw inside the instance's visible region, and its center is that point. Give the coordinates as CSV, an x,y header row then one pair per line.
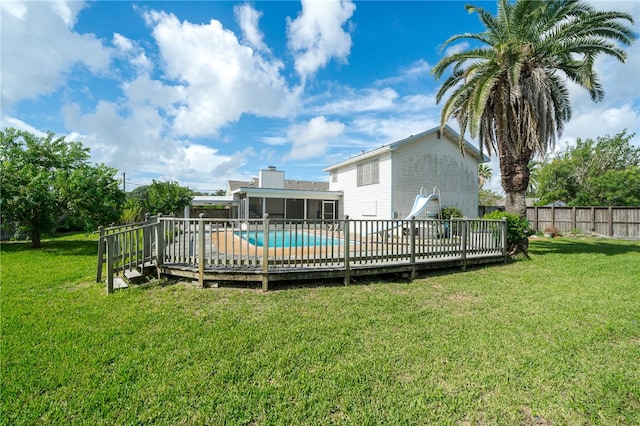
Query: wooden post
x,y
201,250
574,221
593,219
504,228
159,243
265,254
536,225
110,256
100,254
463,243
347,239
412,245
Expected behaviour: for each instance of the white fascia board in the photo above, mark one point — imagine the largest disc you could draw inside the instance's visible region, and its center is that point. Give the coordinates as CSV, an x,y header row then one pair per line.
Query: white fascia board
x,y
291,193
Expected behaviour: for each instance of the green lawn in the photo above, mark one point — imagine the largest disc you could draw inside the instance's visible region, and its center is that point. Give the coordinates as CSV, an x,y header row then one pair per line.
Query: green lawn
x,y
553,340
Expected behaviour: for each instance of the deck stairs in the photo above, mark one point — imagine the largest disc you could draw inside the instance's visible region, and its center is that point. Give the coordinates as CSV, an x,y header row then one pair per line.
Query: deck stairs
x,y
137,275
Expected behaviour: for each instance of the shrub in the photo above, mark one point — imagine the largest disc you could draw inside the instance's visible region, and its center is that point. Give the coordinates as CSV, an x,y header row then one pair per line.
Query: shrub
x,y
518,227
451,211
551,230
132,212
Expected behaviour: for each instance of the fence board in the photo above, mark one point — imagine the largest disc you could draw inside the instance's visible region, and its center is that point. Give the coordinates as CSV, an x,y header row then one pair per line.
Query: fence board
x,y
617,222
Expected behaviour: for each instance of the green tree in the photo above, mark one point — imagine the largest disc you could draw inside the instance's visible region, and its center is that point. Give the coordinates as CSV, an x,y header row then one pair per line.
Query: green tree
x,y
484,174
132,211
511,91
534,169
139,194
167,197
592,172
487,197
43,177
93,195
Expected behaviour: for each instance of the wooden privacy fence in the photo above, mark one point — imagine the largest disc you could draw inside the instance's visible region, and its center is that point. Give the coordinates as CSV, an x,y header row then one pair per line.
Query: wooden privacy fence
x,y
617,222
279,249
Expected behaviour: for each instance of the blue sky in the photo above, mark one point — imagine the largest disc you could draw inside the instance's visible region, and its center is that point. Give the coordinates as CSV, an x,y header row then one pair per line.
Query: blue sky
x,y
203,92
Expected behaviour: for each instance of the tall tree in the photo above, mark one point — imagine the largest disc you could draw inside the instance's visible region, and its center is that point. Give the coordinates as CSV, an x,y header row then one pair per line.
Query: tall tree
x,y
593,172
92,195
511,91
167,197
484,174
43,177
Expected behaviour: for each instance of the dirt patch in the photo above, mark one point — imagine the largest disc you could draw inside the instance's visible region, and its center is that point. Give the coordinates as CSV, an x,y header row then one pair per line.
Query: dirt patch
x,y
530,419
462,298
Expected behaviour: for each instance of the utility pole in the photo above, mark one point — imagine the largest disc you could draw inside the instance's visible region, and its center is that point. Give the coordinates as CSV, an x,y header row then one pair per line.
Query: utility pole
x,y
124,183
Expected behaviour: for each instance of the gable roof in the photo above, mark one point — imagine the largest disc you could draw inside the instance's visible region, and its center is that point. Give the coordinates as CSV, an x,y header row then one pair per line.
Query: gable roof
x,y
451,134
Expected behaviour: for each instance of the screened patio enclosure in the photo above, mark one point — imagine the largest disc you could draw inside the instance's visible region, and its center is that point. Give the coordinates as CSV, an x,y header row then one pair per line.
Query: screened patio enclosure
x,y
256,203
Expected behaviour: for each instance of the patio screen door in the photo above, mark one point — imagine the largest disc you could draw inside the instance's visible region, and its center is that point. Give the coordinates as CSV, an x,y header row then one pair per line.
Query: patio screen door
x,y
328,210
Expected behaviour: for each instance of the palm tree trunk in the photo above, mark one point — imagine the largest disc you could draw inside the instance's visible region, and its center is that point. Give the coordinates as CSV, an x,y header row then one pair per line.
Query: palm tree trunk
x,y
515,180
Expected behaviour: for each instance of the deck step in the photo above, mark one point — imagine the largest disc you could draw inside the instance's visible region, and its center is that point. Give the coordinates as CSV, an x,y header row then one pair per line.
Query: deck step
x,y
133,276
119,283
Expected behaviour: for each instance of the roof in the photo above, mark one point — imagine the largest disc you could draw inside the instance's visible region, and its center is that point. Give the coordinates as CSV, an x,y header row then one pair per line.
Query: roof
x,y
452,134
199,200
302,185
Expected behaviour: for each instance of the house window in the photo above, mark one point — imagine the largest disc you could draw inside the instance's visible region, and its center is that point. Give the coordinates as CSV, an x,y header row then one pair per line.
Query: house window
x,y
334,176
368,173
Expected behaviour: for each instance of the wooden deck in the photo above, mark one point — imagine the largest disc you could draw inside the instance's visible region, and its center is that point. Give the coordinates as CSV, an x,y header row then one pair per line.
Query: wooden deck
x,y
217,250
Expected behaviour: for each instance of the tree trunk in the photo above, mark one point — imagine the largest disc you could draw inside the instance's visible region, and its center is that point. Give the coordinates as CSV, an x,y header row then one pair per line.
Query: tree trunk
x,y
514,168
515,180
515,202
35,238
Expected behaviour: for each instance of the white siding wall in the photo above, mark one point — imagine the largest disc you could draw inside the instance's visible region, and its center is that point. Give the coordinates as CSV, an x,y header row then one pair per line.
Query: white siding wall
x,y
429,162
369,201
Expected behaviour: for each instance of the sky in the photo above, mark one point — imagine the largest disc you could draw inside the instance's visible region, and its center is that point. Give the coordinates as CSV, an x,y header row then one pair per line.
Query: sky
x,y
202,92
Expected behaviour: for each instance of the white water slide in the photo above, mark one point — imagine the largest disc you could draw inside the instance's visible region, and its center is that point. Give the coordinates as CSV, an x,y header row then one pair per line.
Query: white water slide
x,y
422,203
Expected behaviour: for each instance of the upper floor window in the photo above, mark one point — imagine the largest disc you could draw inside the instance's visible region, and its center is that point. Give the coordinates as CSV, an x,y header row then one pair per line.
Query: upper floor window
x,y
368,172
334,176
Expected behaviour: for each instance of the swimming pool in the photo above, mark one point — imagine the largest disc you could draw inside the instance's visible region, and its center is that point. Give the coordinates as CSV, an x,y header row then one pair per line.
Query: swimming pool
x,y
287,239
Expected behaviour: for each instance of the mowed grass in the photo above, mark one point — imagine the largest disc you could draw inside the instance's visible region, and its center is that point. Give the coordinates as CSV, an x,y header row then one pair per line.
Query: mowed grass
x,y
552,340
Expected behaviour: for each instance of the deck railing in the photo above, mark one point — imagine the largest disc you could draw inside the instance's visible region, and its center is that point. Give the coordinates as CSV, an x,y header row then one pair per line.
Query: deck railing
x,y
126,247
267,246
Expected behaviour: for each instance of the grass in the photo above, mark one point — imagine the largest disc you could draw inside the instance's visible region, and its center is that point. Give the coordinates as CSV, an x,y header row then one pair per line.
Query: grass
x,y
552,340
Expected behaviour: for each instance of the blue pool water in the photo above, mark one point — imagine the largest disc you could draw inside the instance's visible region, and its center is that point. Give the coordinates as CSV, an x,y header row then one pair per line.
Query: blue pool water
x,y
288,239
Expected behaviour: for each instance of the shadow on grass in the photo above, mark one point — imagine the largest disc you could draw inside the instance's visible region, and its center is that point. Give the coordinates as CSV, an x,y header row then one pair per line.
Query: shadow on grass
x,y
568,246
54,247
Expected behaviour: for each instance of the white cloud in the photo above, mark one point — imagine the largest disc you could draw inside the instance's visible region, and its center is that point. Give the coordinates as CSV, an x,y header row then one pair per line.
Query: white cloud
x,y
131,52
222,79
316,35
274,140
311,139
39,48
144,91
140,144
456,48
418,70
360,101
21,125
16,9
601,122
248,19
419,103
133,141
378,131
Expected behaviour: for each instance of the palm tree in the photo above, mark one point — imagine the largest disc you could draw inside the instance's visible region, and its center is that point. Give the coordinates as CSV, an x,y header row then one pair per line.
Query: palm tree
x,y
484,174
534,173
511,92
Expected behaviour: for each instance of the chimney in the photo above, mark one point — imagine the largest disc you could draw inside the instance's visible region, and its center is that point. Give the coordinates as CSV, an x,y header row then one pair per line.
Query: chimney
x,y
271,178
